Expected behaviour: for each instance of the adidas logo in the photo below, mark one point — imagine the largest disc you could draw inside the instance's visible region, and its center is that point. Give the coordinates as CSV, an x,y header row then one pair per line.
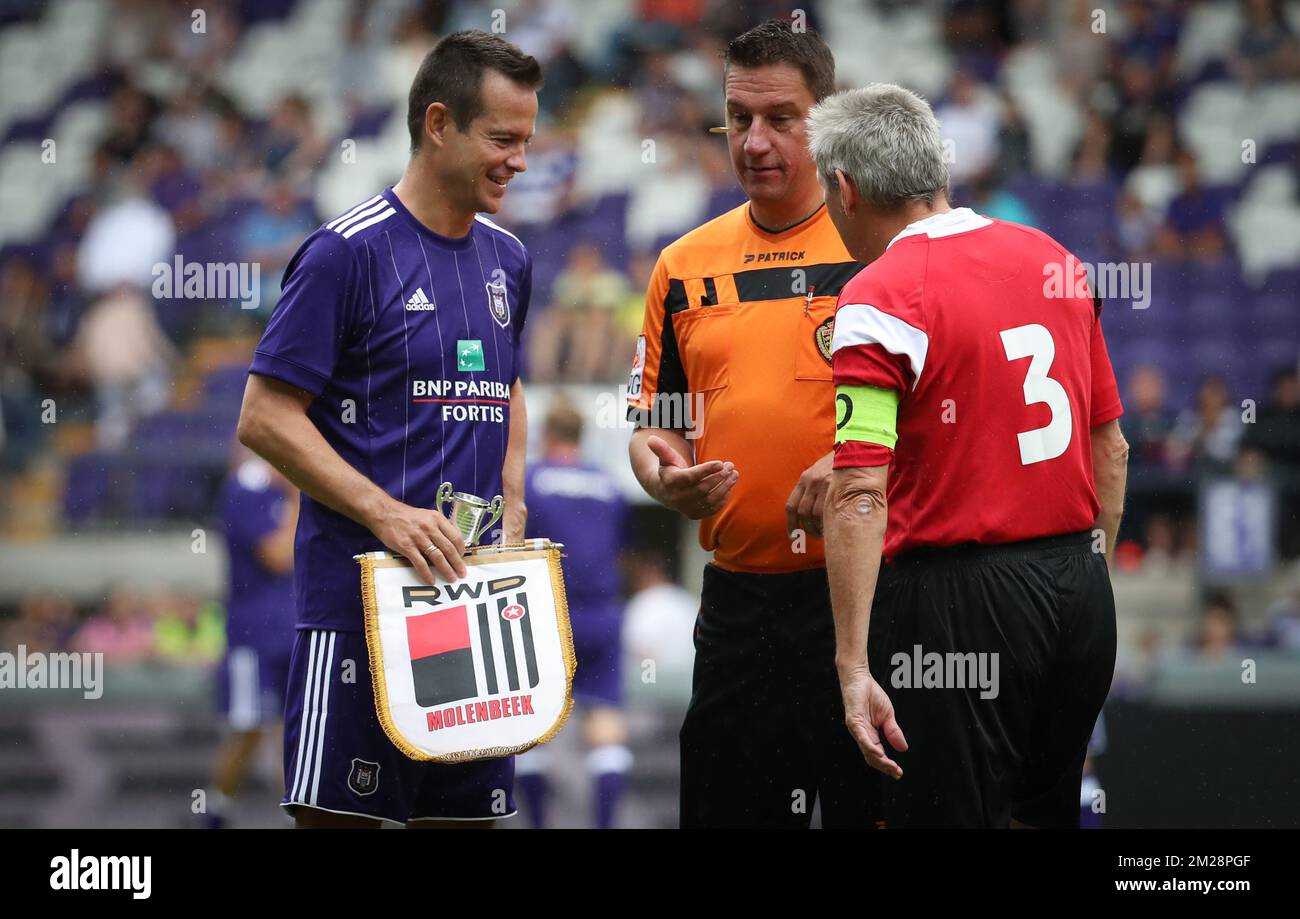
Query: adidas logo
x,y
419,303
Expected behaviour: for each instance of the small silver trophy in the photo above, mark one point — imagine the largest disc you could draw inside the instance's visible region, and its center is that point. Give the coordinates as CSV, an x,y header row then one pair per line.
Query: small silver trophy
x,y
472,515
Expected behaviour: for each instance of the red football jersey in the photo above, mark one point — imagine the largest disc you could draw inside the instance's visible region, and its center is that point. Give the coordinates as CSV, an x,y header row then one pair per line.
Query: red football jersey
x,y
989,333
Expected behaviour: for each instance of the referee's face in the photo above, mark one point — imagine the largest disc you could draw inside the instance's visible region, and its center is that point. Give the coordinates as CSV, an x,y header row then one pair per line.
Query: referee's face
x,y
483,159
766,135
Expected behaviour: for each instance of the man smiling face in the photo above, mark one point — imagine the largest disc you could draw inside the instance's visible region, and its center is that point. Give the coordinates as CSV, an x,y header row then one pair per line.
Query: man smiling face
x,y
480,160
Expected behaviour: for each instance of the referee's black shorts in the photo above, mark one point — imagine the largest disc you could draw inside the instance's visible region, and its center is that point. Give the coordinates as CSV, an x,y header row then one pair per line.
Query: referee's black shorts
x,y
984,754
764,736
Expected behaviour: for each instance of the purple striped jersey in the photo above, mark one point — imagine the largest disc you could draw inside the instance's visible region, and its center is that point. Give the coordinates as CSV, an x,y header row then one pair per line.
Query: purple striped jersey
x,y
410,342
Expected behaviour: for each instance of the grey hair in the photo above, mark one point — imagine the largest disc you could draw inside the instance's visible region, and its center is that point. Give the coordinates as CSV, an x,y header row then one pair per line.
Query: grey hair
x,y
885,138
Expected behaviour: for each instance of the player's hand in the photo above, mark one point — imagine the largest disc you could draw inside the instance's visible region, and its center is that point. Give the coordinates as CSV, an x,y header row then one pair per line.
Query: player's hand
x,y
868,714
803,509
696,491
425,538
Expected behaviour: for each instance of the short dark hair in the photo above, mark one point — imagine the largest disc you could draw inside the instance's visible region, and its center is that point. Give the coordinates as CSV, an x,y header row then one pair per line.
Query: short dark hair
x,y
452,73
777,42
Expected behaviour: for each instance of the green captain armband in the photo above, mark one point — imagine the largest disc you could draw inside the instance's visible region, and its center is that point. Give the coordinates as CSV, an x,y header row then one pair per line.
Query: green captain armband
x,y
866,413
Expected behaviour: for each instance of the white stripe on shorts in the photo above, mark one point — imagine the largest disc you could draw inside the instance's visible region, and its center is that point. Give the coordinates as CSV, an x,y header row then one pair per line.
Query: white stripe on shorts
x,y
304,717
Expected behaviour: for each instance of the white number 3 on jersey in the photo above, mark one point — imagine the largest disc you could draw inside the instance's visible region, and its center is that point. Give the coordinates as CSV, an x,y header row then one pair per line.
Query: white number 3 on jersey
x,y
1048,442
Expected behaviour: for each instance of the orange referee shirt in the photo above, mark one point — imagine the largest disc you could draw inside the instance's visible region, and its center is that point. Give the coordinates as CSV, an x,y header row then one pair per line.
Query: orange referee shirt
x,y
738,327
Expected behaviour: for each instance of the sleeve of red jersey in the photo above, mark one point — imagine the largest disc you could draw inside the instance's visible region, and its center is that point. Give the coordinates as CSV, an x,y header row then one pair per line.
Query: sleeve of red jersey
x,y
1106,405
880,340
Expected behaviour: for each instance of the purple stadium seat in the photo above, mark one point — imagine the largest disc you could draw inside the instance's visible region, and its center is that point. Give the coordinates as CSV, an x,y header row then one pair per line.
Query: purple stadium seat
x,y
89,492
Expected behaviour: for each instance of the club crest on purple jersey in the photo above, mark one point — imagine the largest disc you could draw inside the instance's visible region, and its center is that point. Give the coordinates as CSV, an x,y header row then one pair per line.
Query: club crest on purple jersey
x,y
497,303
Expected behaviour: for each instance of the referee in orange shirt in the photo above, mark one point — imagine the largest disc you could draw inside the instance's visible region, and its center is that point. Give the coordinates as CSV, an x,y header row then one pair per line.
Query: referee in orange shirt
x,y
732,392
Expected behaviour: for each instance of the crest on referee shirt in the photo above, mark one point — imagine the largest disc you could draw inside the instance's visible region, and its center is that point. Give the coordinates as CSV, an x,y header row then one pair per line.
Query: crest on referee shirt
x,y
825,332
474,669
497,303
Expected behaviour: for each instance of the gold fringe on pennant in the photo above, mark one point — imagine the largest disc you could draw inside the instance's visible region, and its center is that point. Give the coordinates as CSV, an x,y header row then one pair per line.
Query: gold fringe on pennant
x,y
374,648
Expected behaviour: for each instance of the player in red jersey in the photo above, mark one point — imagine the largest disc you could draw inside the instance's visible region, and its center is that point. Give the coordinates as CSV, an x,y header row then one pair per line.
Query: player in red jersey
x,y
978,450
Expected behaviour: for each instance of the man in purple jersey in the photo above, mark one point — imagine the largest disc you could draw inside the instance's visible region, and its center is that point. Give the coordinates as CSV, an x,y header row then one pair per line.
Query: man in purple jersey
x,y
259,514
390,366
579,505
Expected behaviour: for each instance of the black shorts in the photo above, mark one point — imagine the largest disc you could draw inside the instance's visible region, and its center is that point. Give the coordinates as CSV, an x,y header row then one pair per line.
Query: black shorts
x,y
981,754
764,737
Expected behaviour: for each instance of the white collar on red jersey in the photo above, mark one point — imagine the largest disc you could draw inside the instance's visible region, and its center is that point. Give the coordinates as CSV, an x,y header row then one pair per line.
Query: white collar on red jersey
x,y
958,220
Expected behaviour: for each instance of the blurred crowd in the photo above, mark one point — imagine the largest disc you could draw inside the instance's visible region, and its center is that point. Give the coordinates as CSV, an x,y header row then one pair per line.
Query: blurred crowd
x,y
1220,437
1094,130
622,164
132,627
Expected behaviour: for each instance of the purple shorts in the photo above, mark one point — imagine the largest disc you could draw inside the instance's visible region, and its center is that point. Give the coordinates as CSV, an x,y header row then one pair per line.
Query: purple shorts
x,y
250,685
338,758
598,646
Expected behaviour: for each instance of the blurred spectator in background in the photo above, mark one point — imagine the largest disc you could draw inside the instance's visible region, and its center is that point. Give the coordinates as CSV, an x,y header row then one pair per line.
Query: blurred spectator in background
x,y
1136,104
1148,423
971,121
1276,431
190,125
1266,48
1276,436
1135,228
631,309
1147,420
1206,436
1135,662
671,194
1194,227
269,235
1284,619
660,620
29,365
576,339
1014,146
125,356
291,146
1091,166
989,198
357,73
233,166
124,241
1218,636
188,631
130,117
1147,191
44,622
122,630
546,29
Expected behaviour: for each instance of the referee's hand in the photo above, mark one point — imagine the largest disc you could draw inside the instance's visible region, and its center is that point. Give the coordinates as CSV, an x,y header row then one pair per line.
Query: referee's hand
x,y
868,713
696,491
425,538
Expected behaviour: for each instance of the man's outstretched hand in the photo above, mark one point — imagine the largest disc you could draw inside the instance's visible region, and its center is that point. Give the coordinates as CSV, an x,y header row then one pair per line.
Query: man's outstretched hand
x,y
696,491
